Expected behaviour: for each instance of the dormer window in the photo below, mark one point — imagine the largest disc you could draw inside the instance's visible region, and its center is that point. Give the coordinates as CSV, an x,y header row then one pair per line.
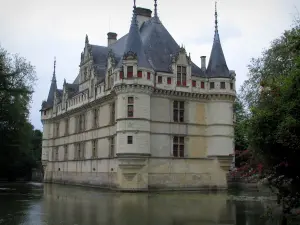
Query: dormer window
x,y
194,83
181,75
140,74
110,79
85,72
159,79
222,85
121,75
169,80
202,84
129,71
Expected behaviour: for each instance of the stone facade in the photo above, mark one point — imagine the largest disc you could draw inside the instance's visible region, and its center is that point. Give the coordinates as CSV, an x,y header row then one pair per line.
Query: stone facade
x,y
132,127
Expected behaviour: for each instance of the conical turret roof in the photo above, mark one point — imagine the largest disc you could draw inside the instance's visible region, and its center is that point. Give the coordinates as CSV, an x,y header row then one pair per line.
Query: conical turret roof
x,y
217,66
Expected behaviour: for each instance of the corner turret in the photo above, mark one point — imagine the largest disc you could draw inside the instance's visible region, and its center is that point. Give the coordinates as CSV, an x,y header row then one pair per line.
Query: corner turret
x,y
217,66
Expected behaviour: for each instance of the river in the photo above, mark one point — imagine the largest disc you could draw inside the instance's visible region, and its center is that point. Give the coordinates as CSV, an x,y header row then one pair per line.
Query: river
x,y
51,204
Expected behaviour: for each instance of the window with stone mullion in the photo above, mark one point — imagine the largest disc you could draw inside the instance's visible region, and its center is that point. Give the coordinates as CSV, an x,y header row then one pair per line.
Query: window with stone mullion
x,y
178,111
181,75
178,146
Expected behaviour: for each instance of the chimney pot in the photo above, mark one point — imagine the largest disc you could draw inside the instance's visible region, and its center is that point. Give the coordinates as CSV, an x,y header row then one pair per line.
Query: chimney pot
x,y
203,63
143,15
111,38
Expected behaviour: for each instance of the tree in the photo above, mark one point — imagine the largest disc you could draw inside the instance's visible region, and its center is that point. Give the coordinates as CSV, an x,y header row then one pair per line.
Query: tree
x,y
272,96
240,132
277,60
17,78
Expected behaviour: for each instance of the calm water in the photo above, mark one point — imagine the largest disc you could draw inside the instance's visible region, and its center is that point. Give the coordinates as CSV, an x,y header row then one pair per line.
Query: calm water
x,y
36,204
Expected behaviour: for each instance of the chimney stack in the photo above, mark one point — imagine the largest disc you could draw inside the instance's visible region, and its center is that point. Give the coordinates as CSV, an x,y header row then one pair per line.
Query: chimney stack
x,y
111,38
143,15
203,63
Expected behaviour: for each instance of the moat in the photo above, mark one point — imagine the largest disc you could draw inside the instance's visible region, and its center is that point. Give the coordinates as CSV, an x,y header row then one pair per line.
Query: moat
x,y
50,204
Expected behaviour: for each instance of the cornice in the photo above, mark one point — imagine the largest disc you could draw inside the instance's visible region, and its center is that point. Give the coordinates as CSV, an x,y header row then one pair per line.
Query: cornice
x,y
133,88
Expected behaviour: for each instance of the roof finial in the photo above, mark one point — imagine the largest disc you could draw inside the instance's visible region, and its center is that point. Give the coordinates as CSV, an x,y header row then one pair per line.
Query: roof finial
x,y
134,6
216,17
86,39
54,67
155,8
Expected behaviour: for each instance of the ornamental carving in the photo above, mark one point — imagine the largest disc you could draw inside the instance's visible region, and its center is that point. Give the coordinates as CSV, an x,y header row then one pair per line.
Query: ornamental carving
x,y
130,56
111,56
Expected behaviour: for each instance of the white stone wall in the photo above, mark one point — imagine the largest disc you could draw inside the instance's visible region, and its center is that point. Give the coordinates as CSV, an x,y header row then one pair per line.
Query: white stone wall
x,y
220,128
138,127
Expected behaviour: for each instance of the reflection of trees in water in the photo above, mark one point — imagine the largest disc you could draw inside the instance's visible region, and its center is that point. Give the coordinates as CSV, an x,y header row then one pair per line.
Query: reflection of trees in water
x,y
15,201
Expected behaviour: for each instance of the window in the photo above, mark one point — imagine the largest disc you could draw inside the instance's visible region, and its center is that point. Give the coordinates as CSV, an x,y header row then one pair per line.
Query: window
x,y
181,75
178,111
112,147
112,113
92,88
148,75
110,79
194,83
55,154
231,86
82,147
66,152
129,140
169,80
130,107
81,122
94,148
159,79
57,129
121,75
85,74
202,84
211,85
96,117
67,126
222,85
129,71
140,74
45,113
178,146
79,150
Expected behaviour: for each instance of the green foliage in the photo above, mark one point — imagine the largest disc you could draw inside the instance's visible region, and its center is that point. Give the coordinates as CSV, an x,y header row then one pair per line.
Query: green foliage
x,y
17,78
240,129
275,61
272,96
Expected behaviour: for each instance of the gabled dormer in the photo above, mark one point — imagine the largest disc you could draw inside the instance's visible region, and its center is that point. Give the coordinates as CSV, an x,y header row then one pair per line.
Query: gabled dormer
x,y
110,70
182,67
86,62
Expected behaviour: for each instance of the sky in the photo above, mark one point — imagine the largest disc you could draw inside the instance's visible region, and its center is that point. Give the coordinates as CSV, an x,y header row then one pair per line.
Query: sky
x,y
40,30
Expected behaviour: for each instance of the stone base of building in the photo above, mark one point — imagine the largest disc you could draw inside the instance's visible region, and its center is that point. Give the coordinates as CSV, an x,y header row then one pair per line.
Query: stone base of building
x,y
142,173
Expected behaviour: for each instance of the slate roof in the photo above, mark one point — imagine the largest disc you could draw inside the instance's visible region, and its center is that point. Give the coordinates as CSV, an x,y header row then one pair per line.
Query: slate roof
x,y
217,66
134,44
155,48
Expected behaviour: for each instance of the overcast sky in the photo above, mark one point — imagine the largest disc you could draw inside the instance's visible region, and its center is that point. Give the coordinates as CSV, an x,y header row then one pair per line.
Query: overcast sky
x,y
41,29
